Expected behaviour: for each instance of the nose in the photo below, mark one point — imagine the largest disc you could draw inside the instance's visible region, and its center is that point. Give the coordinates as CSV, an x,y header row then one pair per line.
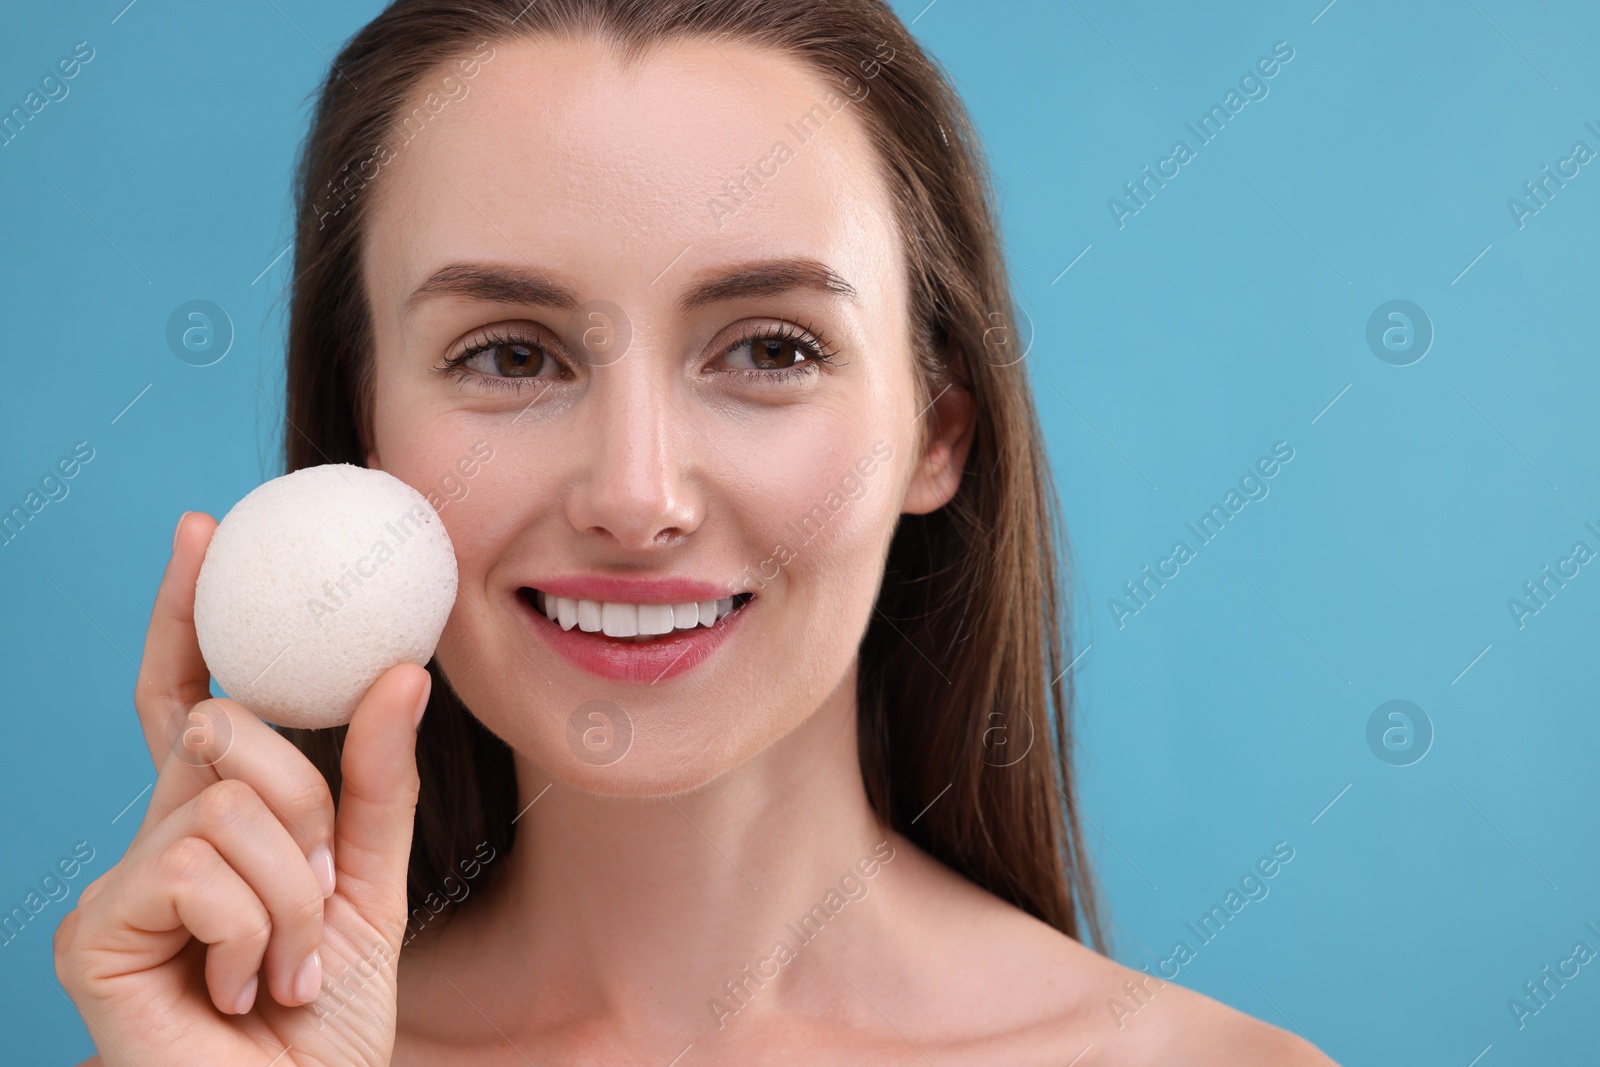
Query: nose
x,y
637,460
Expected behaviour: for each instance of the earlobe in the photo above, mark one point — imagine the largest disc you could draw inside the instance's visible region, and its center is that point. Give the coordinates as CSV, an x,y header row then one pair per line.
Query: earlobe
x,y
951,419
373,463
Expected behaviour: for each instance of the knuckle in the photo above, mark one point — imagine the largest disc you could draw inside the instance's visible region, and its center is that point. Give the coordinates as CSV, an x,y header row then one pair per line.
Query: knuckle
x,y
309,794
307,911
255,928
67,965
94,888
68,951
187,861
226,802
64,937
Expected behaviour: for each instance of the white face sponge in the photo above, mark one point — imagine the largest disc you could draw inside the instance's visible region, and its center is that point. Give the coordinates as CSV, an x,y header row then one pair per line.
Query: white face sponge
x,y
315,584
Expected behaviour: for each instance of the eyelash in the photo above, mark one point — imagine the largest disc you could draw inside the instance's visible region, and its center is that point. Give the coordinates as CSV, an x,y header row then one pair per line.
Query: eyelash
x,y
806,338
812,346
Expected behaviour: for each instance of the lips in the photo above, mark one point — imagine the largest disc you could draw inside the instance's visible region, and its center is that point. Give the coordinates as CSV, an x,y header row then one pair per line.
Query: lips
x,y
640,622
604,638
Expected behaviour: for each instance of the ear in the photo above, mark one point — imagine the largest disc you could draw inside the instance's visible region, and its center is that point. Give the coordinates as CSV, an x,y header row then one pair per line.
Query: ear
x,y
373,463
949,436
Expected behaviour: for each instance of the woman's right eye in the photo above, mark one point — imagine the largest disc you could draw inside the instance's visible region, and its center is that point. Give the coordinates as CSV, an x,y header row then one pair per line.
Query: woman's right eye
x,y
506,357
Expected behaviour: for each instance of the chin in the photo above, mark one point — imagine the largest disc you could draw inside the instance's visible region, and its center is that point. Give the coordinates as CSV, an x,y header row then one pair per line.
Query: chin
x,y
625,744
634,716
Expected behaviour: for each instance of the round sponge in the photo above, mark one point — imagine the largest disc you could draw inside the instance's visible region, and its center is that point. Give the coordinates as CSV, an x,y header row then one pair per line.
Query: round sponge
x,y
315,584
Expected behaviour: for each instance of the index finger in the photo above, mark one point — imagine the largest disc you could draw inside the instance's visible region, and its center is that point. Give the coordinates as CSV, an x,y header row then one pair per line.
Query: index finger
x,y
173,674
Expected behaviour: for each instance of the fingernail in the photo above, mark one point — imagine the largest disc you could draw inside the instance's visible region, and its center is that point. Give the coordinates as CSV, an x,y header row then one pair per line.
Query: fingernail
x,y
176,528
308,979
322,866
247,996
422,702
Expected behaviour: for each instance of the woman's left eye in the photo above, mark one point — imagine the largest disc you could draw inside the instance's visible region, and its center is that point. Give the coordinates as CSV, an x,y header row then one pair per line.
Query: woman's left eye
x,y
784,349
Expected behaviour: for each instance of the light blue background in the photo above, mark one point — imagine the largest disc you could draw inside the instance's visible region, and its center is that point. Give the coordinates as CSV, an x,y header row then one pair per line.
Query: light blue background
x,y
1225,316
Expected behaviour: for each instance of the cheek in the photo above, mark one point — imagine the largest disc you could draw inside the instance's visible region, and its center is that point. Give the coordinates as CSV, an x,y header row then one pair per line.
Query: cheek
x,y
822,557
808,511
829,516
479,500
499,505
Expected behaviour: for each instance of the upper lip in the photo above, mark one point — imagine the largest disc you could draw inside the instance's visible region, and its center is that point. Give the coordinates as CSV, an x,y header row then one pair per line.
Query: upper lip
x,y
632,590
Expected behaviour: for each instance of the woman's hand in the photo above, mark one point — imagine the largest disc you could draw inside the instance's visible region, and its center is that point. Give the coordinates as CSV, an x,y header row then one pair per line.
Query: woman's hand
x,y
244,920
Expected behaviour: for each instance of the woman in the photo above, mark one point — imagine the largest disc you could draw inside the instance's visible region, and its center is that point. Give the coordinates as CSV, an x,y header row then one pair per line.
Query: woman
x,y
747,739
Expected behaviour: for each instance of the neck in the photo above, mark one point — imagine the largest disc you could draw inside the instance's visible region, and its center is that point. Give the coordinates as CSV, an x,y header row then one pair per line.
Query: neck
x,y
655,909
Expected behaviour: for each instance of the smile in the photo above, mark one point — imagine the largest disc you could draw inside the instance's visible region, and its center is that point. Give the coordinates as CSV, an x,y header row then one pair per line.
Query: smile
x,y
640,622
633,642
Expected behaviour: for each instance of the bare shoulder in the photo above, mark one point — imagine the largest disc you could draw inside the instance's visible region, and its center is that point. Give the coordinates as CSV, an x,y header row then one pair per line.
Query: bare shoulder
x,y
1149,1021
1108,1013
1045,998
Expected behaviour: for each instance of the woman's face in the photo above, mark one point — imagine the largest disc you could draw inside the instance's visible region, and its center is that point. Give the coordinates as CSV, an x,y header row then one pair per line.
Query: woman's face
x,y
643,336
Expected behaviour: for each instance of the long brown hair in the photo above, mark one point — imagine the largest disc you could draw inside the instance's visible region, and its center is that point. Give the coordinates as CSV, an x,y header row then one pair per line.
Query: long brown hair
x,y
969,642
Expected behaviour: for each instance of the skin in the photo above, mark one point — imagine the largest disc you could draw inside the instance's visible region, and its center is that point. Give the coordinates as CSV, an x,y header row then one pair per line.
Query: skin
x,y
637,888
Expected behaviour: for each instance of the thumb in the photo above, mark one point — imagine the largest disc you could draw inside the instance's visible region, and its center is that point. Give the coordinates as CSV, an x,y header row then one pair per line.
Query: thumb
x,y
378,791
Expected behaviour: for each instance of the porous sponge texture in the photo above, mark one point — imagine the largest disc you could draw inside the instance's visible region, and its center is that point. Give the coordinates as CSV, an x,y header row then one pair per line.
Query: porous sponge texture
x,y
315,584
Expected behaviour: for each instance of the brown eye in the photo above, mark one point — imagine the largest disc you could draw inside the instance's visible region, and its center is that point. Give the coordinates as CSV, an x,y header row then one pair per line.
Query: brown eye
x,y
507,357
515,360
775,353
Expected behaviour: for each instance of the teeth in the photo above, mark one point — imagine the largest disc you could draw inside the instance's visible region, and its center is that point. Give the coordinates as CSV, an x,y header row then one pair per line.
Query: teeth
x,y
655,618
619,620
630,620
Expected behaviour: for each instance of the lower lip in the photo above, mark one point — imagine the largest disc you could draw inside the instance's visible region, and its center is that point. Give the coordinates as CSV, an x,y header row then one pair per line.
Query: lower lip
x,y
626,661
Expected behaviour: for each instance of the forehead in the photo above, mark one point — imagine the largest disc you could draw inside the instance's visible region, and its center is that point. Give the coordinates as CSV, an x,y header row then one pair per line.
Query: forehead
x,y
697,153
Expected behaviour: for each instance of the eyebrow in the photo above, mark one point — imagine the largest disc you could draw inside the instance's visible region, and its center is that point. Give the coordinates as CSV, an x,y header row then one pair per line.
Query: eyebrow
x,y
767,279
531,286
